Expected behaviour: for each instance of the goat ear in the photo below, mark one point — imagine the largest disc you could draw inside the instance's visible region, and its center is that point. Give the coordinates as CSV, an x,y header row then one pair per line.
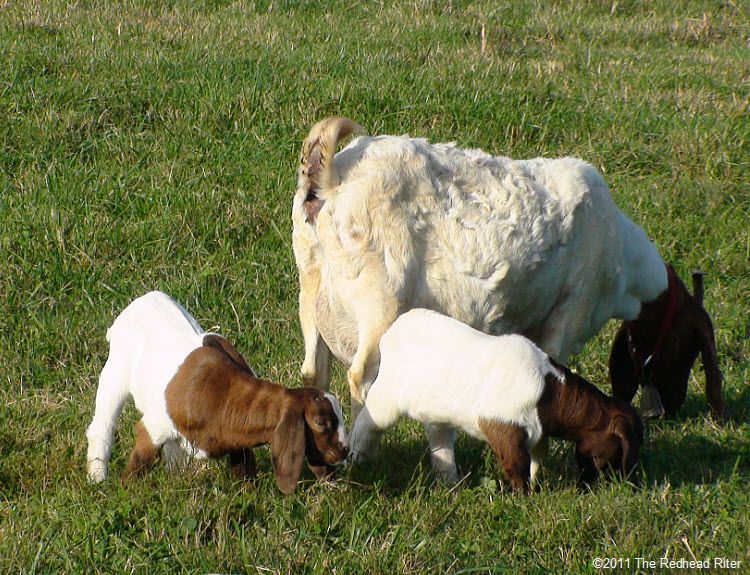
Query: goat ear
x,y
288,450
621,372
629,444
714,378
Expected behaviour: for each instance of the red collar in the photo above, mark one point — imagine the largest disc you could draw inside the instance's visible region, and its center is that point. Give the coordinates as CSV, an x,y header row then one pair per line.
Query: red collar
x,y
638,355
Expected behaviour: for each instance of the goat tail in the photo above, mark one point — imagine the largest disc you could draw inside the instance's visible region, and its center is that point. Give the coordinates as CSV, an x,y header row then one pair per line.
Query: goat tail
x,y
316,171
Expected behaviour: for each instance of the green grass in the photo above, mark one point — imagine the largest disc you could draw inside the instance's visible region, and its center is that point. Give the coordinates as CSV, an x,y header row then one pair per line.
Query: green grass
x,y
153,145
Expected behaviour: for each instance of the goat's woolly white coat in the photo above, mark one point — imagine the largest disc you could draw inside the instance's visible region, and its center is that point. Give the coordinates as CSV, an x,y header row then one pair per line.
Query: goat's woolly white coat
x,y
535,247
447,375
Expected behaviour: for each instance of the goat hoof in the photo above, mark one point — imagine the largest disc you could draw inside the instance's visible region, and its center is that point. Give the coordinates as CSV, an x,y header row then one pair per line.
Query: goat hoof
x,y
448,477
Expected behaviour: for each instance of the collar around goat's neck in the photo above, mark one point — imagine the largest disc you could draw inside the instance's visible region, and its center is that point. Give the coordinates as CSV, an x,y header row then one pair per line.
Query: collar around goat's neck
x,y
640,356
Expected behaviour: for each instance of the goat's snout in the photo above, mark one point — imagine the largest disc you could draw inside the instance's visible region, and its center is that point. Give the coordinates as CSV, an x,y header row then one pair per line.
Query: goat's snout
x,y
336,453
343,452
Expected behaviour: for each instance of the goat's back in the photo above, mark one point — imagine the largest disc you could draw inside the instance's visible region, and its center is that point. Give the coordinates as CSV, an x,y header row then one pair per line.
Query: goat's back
x,y
491,241
150,339
440,370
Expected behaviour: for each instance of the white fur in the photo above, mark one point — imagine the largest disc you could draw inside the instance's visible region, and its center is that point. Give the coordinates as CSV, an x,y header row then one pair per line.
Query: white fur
x,y
535,247
148,341
447,375
341,429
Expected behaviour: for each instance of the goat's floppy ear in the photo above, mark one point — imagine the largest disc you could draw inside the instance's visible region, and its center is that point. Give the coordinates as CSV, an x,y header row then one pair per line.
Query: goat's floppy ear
x,y
710,360
629,444
217,342
288,450
621,372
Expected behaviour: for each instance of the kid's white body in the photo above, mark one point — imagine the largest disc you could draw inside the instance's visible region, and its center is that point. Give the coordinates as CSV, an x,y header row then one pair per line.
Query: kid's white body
x,y
448,376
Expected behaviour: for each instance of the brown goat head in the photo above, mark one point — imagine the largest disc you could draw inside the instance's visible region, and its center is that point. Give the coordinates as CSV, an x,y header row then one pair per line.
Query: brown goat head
x,y
311,427
614,450
673,329
220,406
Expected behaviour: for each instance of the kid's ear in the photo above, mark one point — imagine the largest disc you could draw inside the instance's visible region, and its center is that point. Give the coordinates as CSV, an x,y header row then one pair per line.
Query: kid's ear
x,y
621,368
714,378
630,444
288,450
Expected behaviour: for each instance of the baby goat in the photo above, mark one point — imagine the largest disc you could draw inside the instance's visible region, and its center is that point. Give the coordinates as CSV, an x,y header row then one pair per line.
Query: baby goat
x,y
199,398
502,389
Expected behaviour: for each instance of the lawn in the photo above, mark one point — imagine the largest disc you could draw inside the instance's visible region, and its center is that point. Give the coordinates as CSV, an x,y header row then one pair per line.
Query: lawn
x,y
153,145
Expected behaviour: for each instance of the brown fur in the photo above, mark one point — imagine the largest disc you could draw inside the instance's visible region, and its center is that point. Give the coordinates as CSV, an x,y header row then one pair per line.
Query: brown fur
x,y
691,333
220,407
312,206
143,455
508,443
220,343
607,431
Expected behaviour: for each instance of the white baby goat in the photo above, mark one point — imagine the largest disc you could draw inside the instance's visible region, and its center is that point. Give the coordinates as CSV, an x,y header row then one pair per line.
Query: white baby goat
x,y
199,397
502,389
148,342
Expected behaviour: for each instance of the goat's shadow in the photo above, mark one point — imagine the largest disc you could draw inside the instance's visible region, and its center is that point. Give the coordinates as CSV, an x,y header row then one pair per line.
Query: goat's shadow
x,y
684,450
398,464
403,464
672,452
737,409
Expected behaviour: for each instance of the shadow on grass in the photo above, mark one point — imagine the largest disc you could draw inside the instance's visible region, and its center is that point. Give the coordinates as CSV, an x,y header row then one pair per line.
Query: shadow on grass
x,y
737,406
689,449
403,463
683,450
398,463
676,453
690,459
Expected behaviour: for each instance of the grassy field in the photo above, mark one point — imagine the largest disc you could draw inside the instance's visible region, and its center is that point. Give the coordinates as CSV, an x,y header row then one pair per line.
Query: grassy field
x,y
153,145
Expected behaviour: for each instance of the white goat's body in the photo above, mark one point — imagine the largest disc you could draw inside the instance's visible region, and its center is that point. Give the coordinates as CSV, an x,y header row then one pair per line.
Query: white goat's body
x,y
535,247
148,342
444,374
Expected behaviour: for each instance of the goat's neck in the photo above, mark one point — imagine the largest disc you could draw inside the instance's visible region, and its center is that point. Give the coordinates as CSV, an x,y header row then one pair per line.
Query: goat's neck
x,y
255,407
645,329
572,410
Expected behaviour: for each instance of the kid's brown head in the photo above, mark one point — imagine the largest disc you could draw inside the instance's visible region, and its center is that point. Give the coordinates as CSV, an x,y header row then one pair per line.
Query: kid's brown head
x,y
312,428
613,450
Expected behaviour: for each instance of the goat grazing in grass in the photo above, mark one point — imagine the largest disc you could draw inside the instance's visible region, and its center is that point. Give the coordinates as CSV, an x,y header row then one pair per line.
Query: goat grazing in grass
x,y
200,398
535,247
502,389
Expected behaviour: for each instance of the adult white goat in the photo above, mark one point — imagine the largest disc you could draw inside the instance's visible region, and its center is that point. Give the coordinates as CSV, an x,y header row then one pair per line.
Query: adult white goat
x,y
535,247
